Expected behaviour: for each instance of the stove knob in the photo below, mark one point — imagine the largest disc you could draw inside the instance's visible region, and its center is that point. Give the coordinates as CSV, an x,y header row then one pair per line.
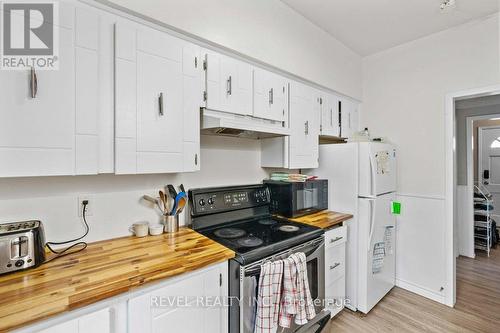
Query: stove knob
x,y
210,201
19,263
202,202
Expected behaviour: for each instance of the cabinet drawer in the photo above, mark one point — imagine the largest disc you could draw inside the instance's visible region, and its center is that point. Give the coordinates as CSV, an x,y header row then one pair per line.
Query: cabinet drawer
x,y
335,296
334,263
334,237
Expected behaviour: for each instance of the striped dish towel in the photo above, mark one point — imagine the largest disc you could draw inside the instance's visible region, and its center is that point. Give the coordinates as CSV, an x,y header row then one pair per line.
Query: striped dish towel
x,y
296,299
269,296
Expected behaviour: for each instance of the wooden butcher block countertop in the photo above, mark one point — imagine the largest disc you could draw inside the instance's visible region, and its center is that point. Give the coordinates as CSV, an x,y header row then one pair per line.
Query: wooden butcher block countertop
x,y
325,219
104,269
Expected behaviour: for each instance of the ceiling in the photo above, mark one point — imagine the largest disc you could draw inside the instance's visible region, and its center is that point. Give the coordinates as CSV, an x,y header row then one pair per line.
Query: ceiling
x,y
370,26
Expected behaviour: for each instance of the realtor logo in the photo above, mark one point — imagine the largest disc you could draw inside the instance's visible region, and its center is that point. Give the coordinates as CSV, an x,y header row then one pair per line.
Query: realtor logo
x,y
29,35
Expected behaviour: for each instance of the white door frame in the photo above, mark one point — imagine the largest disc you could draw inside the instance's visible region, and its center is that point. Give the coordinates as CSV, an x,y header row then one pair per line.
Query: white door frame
x,y
451,182
466,248
479,152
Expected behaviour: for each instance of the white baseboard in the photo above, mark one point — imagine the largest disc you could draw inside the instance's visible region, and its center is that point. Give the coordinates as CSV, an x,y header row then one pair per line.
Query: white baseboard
x,y
468,255
421,291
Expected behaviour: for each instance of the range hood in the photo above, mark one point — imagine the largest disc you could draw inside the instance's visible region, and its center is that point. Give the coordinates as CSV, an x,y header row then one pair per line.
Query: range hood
x,y
228,124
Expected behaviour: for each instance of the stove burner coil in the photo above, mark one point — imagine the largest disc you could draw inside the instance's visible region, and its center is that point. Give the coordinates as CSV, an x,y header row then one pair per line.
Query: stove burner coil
x,y
229,233
267,222
288,228
250,241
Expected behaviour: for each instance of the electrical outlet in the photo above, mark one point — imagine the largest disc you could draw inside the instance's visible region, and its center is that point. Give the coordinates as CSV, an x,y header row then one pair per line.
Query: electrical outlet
x,y
81,199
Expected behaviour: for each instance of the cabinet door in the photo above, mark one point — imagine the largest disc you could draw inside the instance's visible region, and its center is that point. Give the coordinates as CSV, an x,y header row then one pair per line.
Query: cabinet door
x,y
228,84
172,307
149,101
37,133
261,94
279,98
228,79
192,102
349,117
241,88
330,116
159,102
213,79
95,322
270,95
304,125
99,321
335,296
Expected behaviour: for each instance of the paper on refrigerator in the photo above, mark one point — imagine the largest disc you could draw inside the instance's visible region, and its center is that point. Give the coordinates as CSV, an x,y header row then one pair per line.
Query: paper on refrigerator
x,y
378,257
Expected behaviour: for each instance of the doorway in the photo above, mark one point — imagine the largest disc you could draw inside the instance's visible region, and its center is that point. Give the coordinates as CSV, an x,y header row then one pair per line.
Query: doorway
x,y
487,159
452,198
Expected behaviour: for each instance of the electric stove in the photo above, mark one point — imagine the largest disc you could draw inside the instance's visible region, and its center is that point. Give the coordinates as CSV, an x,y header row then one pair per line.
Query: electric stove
x,y
239,218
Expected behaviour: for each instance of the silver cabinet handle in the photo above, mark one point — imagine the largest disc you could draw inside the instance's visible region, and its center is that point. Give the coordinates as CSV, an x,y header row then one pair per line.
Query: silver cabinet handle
x,y
195,62
331,117
306,127
229,84
271,96
33,83
195,159
336,239
337,264
160,104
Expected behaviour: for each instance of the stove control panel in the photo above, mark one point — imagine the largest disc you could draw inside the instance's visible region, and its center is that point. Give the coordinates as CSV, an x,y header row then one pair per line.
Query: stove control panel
x,y
227,199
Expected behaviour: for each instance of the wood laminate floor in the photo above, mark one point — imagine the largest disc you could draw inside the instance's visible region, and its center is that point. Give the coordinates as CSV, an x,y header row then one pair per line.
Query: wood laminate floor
x,y
477,308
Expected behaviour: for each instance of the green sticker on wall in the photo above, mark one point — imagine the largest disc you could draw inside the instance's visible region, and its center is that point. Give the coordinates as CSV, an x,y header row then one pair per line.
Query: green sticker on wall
x,y
396,208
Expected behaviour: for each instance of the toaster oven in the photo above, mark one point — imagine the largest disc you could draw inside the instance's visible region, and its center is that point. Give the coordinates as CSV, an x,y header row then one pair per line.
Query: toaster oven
x,y
22,245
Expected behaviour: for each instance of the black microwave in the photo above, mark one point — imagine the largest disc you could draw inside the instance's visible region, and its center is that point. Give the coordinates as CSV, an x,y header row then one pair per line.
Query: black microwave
x,y
293,199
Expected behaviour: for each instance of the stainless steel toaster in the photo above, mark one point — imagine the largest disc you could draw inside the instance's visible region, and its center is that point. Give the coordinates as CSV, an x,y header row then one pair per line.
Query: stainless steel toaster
x,y
22,245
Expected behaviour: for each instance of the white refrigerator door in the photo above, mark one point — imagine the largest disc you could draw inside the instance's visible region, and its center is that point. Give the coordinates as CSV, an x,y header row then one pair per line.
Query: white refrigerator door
x,y
377,169
377,252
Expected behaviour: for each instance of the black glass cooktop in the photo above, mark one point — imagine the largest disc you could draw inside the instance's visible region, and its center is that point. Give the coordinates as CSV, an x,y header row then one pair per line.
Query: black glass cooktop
x,y
256,238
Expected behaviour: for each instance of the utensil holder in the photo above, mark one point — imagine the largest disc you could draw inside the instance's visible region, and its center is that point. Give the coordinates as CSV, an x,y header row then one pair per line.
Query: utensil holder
x,y
171,223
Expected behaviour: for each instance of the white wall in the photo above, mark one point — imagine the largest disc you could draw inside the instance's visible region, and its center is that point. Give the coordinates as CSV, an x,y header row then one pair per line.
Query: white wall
x,y
420,247
116,200
404,92
266,30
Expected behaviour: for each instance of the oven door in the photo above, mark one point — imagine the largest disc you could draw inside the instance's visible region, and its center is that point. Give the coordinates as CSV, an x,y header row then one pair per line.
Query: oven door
x,y
249,281
309,197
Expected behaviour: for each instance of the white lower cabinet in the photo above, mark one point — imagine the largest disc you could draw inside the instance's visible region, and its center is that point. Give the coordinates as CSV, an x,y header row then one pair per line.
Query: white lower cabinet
x,y
190,304
99,321
335,246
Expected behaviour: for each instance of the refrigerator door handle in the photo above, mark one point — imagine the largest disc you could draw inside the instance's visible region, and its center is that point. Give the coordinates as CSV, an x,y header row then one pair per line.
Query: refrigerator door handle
x,y
372,180
372,222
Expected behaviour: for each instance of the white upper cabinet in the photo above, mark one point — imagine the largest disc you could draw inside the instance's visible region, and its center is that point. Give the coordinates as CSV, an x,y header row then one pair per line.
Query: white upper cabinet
x,y
330,115
299,150
349,121
228,84
304,124
192,101
270,95
158,98
50,120
37,117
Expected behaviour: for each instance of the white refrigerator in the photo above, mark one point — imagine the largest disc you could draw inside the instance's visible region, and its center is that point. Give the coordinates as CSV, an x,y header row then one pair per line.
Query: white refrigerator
x,y
362,181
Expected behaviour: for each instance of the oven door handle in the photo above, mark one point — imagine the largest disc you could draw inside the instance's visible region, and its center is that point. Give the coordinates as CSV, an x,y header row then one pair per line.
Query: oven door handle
x,y
310,249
